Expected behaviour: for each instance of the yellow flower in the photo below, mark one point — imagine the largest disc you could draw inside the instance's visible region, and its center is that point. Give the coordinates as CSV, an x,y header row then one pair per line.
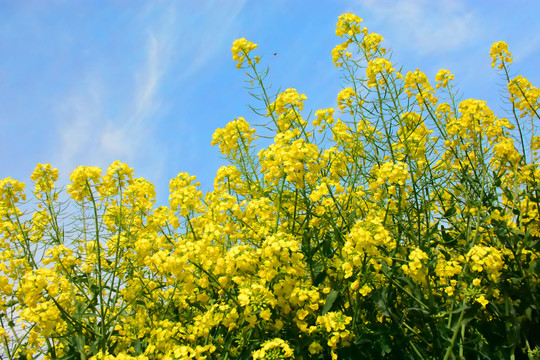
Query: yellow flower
x,y
334,321
348,24
379,66
288,99
185,195
240,49
234,137
273,350
443,77
301,314
118,176
486,259
11,191
416,268
372,43
344,98
266,314
482,301
338,52
82,179
44,177
524,96
366,289
324,115
315,348
500,55
416,83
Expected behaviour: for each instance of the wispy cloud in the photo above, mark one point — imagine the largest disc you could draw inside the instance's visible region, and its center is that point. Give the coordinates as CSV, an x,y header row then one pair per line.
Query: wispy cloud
x,y
529,46
212,34
91,135
82,110
127,137
434,26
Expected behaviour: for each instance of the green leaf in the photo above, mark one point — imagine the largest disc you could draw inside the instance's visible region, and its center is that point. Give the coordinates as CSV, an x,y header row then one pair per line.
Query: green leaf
x,y
508,194
137,346
330,298
320,274
450,211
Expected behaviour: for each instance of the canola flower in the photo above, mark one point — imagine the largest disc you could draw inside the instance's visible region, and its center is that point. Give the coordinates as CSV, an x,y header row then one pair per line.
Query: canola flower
x,y
408,226
241,49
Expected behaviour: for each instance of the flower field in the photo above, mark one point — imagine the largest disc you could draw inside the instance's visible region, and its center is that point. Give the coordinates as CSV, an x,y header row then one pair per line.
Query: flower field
x,y
402,224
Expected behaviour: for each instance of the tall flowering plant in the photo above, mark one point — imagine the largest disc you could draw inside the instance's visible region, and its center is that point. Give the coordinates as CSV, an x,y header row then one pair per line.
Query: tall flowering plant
x,y
403,223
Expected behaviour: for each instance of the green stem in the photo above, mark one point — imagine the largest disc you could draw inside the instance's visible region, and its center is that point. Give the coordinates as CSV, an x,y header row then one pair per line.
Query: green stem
x,y
455,335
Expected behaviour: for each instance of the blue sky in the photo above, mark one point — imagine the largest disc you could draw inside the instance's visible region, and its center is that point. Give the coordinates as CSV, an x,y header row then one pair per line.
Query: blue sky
x,y
148,82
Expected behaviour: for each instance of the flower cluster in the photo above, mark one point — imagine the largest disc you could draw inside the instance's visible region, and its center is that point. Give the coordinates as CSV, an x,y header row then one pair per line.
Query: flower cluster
x,y
82,179
345,98
348,24
379,66
524,96
417,83
410,225
275,349
288,99
241,49
443,77
237,132
500,55
371,44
